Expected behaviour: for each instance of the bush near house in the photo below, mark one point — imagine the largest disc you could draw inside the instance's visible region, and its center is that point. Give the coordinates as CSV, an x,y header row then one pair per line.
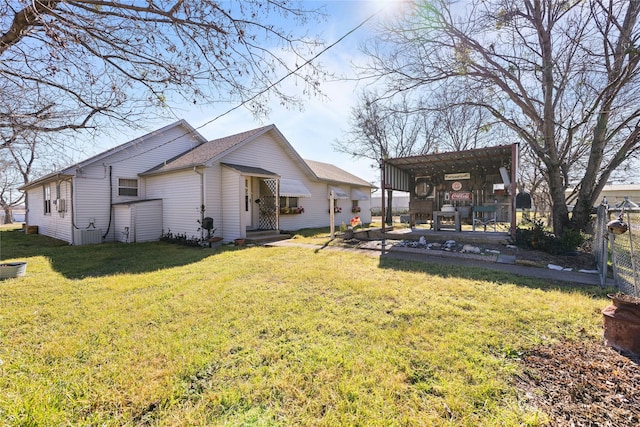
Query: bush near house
x,y
536,236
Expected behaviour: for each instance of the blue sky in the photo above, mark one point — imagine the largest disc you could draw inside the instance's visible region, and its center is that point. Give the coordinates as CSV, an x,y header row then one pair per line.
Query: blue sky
x,y
313,131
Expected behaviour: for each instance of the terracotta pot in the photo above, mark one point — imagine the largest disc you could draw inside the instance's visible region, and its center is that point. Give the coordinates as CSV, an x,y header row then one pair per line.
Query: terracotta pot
x,y
621,321
239,242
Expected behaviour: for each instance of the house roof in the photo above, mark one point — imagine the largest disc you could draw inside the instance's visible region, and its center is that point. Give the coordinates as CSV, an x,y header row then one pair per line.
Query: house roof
x,y
70,171
203,153
331,173
216,149
621,187
209,151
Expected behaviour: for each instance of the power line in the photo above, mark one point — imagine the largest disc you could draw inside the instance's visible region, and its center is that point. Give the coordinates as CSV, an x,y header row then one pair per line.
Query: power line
x,y
292,72
271,86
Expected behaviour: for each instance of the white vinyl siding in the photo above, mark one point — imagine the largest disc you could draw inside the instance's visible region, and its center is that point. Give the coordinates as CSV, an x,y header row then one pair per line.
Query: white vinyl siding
x,y
138,222
148,221
180,193
232,198
57,222
95,192
122,224
267,153
213,198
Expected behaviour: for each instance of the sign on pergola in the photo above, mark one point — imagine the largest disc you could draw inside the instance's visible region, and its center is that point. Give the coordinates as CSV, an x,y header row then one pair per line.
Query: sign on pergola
x,y
460,178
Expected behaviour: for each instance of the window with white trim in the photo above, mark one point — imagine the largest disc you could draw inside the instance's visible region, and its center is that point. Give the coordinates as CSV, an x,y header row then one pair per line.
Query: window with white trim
x,y
288,202
127,187
47,199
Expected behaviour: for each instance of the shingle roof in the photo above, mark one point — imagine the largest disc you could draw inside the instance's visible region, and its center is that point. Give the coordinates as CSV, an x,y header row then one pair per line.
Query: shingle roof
x,y
329,172
207,151
71,170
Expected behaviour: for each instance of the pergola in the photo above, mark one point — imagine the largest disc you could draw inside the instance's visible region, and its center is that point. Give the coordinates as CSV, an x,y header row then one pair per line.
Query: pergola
x,y
478,176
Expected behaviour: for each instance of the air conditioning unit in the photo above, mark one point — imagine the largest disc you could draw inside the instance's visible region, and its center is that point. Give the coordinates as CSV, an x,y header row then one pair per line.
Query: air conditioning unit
x,y
61,204
91,236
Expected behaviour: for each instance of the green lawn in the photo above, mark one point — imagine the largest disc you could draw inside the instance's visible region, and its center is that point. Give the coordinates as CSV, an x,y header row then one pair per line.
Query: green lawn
x,y
158,334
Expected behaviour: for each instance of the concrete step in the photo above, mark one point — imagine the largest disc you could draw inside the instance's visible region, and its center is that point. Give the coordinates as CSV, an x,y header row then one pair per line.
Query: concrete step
x,y
265,236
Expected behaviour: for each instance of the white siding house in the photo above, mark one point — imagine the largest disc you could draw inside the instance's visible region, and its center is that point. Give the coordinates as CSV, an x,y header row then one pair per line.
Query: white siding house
x,y
171,179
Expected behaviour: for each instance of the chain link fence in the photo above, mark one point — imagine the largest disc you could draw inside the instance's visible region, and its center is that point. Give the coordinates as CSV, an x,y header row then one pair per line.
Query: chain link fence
x,y
622,249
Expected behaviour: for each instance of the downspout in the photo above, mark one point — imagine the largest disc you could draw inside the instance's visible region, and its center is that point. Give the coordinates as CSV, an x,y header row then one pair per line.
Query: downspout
x,y
202,207
72,211
110,200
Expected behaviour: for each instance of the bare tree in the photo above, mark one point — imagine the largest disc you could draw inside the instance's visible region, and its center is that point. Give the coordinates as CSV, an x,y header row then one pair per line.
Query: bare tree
x,y
460,126
562,75
531,180
19,155
16,163
65,64
381,129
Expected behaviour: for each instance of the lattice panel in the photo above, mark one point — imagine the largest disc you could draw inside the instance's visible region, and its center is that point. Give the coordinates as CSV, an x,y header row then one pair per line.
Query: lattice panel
x,y
268,216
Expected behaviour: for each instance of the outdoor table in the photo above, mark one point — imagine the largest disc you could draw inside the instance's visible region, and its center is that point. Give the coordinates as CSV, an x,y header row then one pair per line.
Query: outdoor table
x,y
437,215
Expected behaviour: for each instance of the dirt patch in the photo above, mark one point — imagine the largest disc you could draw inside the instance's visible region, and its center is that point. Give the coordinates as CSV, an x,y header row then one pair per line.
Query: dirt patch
x,y
582,384
581,259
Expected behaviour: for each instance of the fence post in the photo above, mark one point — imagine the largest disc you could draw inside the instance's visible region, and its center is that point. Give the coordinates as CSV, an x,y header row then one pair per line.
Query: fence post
x,y
632,256
602,243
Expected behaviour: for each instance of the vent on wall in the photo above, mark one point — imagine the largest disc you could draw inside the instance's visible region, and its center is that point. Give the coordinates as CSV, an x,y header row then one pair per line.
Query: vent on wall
x,y
90,237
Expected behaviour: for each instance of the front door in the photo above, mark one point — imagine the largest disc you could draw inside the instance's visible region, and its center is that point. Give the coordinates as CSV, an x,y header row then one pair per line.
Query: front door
x,y
248,213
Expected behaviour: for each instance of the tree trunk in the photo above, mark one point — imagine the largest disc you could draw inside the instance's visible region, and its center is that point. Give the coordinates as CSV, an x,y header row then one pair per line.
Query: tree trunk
x,y
560,213
8,217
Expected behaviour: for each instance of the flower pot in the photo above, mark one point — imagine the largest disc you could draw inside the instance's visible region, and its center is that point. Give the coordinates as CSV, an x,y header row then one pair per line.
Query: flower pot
x,y
239,242
10,270
621,321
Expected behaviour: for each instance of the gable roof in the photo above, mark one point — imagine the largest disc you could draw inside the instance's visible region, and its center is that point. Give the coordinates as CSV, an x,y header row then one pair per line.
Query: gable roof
x,y
203,153
71,170
331,173
209,152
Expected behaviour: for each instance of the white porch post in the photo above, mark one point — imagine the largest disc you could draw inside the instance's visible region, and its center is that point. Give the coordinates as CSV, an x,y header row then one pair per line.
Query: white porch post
x,y
332,215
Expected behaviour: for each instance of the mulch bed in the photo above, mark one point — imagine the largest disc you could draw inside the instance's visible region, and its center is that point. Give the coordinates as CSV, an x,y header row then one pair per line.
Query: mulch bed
x,y
582,384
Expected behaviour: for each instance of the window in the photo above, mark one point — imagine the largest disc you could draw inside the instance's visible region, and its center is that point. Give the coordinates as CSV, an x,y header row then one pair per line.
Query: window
x,y
288,202
289,205
127,187
355,208
47,199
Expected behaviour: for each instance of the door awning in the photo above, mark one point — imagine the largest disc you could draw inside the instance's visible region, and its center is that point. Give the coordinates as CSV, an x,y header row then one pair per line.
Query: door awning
x,y
338,193
251,171
358,194
293,188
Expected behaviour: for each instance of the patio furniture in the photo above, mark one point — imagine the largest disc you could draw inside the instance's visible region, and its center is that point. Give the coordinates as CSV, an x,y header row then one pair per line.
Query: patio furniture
x,y
438,215
484,215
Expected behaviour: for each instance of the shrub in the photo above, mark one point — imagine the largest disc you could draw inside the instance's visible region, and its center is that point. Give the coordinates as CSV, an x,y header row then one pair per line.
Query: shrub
x,y
537,237
181,239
